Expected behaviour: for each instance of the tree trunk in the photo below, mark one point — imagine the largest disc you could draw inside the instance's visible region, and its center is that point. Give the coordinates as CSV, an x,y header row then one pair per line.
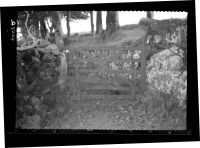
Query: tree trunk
x,y
68,18
59,25
99,27
54,23
50,27
34,30
92,24
112,21
43,29
150,14
24,32
117,20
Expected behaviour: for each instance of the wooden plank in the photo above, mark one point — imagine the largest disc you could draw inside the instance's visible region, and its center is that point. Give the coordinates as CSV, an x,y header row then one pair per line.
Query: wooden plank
x,y
113,82
93,60
75,52
89,70
133,47
115,56
96,81
114,50
106,87
108,70
97,48
106,101
90,66
122,60
105,96
108,60
118,71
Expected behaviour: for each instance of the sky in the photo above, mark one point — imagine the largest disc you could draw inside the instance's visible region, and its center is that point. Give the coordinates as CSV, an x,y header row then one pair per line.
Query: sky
x,y
125,17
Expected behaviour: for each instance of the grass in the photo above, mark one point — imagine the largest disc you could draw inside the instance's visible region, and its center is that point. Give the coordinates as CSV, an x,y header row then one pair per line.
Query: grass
x,y
129,26
125,33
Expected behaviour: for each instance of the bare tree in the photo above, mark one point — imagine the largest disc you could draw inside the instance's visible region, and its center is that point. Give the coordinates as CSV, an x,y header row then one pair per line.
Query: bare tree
x,y
112,21
150,14
68,18
92,24
99,27
43,29
59,25
117,19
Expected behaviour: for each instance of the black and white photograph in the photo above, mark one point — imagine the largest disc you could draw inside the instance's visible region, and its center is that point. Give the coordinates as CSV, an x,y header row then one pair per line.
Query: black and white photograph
x,y
99,70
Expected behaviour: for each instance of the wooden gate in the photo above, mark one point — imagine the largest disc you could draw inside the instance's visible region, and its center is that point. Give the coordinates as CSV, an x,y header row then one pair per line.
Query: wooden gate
x,y
102,72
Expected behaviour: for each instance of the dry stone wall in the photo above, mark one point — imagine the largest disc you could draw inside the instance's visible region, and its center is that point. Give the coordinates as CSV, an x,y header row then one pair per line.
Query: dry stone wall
x,y
166,42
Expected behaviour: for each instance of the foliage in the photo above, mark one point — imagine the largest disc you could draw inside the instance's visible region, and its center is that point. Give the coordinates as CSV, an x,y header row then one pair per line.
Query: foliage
x,y
77,15
42,16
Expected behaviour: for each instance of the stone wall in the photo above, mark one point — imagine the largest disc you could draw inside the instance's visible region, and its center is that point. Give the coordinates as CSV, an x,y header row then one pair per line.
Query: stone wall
x,y
166,42
165,33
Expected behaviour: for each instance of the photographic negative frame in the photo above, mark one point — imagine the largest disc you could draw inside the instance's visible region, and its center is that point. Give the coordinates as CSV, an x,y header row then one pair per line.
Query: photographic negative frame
x,y
60,137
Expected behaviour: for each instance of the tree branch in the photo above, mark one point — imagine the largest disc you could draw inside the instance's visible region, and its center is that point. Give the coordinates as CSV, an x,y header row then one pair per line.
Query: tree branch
x,y
26,24
50,28
35,44
38,48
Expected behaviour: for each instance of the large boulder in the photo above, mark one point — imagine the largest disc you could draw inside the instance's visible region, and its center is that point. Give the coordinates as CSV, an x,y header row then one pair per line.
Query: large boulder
x,y
164,73
166,42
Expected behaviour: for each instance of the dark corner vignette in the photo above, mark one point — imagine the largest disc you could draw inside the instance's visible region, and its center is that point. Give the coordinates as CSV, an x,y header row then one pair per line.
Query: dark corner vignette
x,y
59,137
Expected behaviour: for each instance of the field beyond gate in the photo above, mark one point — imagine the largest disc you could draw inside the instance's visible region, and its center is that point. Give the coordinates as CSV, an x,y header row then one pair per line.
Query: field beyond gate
x,y
117,72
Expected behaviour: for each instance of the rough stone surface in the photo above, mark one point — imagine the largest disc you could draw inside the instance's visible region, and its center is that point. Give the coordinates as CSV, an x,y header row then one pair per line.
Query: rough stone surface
x,y
167,39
